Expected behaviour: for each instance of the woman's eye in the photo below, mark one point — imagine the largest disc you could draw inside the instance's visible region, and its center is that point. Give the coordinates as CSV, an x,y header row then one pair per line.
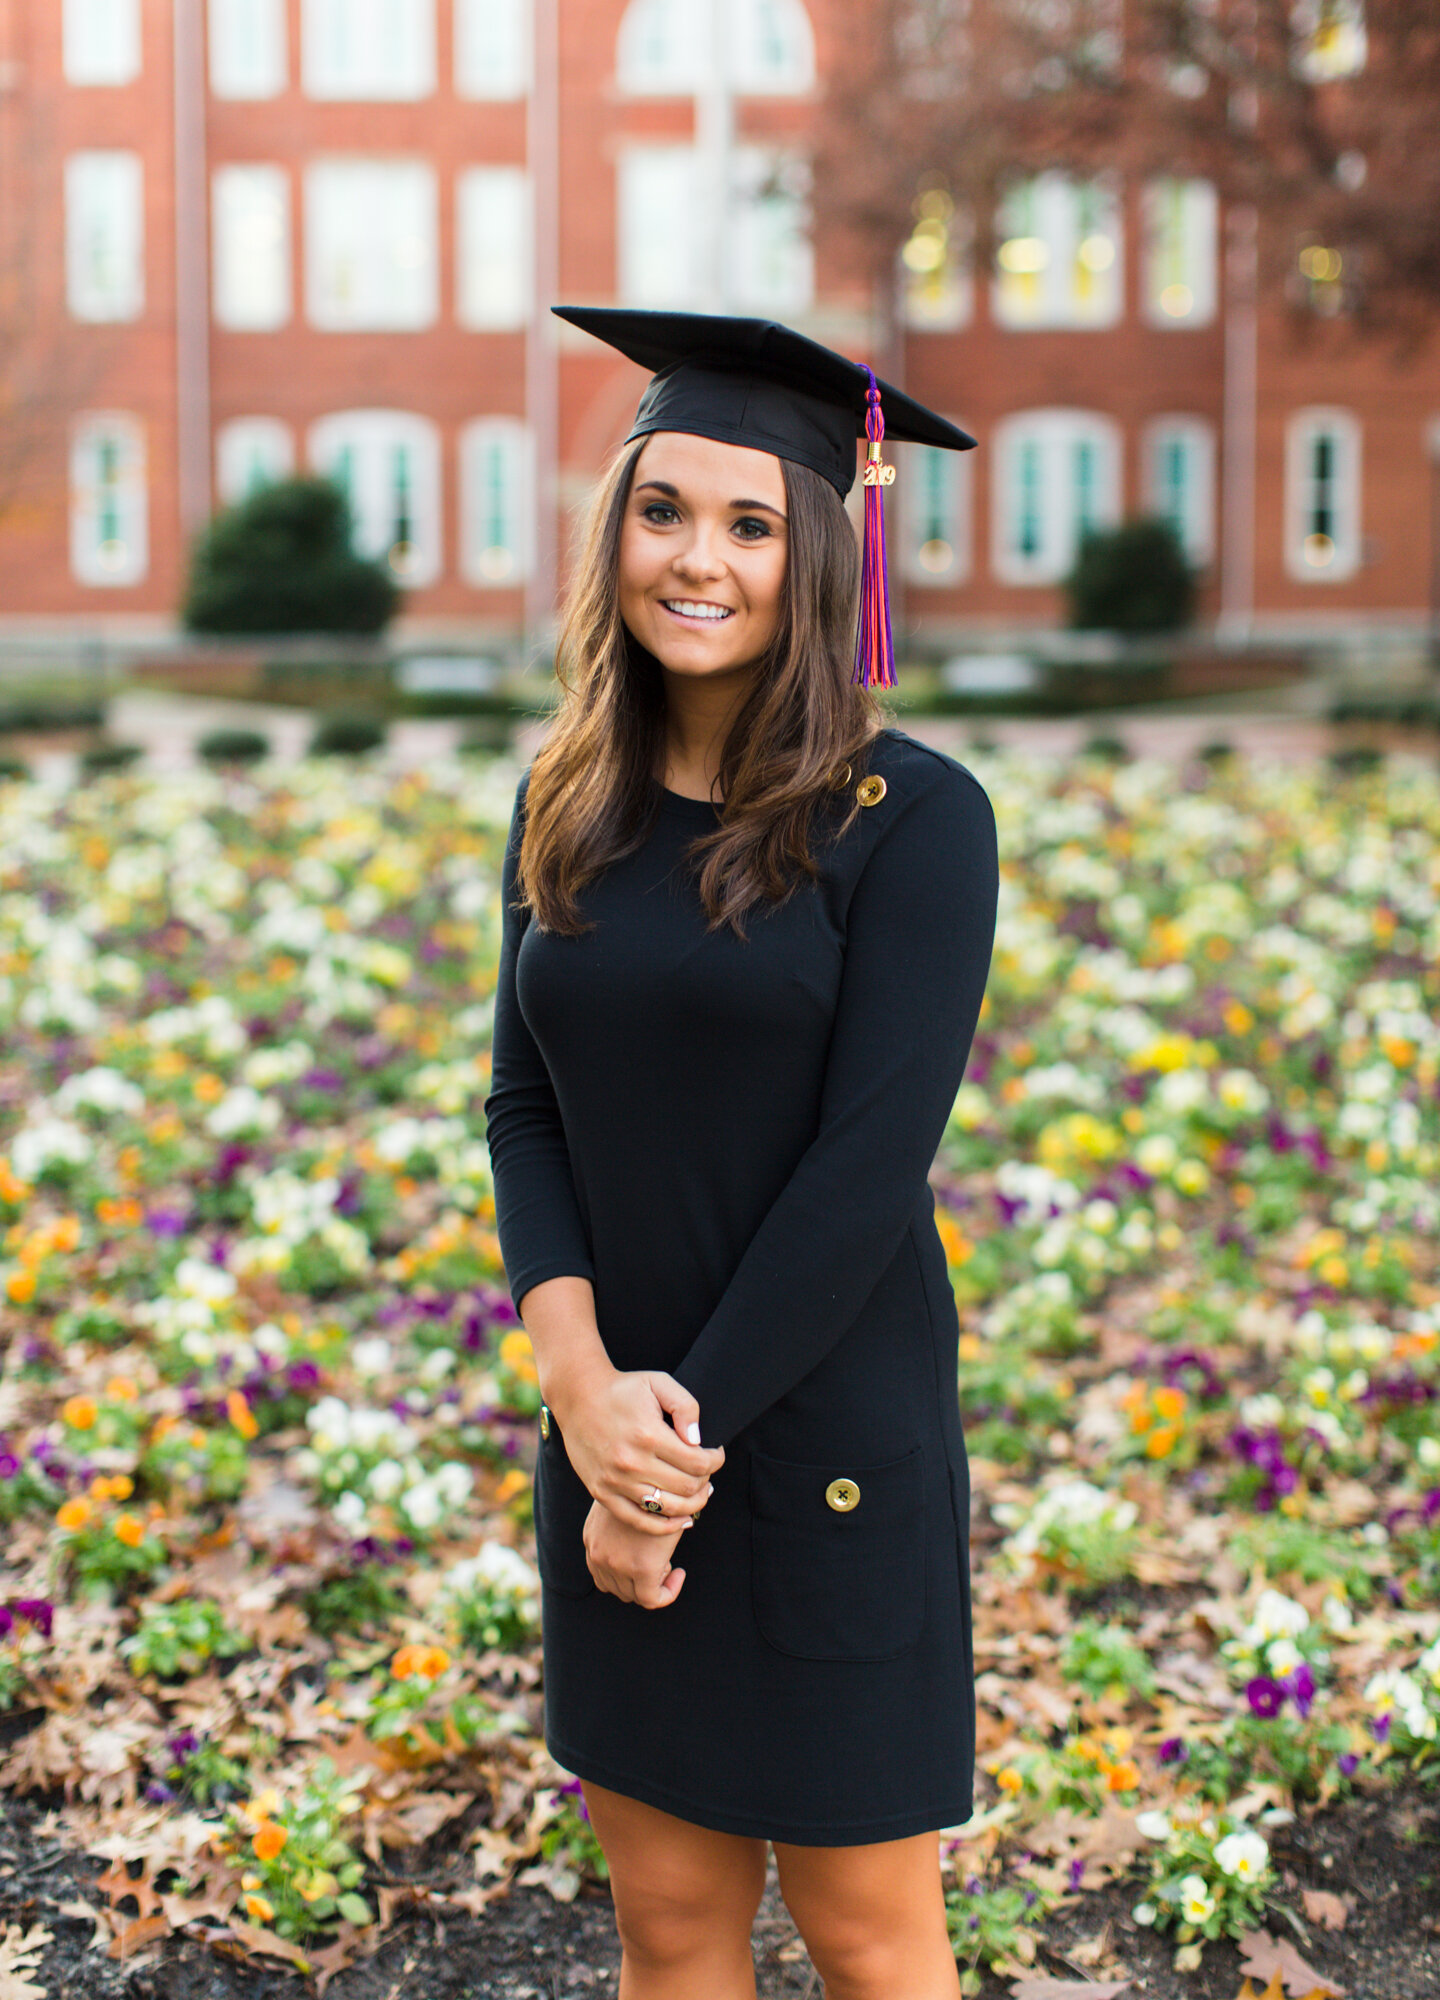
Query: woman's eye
x,y
659,507
743,528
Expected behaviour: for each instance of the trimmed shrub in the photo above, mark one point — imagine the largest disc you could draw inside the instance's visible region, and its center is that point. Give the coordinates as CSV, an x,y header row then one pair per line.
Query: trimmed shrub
x,y
233,746
347,736
1134,578
102,757
281,561
1107,750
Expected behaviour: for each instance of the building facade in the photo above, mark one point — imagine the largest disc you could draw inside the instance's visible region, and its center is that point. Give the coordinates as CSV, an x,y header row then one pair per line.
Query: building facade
x,y
245,236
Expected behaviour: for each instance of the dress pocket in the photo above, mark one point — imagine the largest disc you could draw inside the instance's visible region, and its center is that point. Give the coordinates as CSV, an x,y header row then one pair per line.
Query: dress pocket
x,y
838,1556
562,1502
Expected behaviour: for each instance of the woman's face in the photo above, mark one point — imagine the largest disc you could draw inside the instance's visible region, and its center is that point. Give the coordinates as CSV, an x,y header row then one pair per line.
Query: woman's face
x,y
702,553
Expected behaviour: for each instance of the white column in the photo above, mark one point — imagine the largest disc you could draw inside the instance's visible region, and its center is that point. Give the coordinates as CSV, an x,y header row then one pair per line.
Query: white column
x,y
542,358
192,276
714,144
1237,509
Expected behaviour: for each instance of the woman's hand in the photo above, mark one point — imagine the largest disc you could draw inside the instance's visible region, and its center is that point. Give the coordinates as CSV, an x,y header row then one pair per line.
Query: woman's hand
x,y
632,1564
617,1440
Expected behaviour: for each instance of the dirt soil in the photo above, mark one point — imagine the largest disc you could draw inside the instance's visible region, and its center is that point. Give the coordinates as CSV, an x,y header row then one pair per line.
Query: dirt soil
x,y
1383,1851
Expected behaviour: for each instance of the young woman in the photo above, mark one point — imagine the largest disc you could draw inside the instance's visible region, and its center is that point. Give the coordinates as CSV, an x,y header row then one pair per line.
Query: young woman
x,y
747,933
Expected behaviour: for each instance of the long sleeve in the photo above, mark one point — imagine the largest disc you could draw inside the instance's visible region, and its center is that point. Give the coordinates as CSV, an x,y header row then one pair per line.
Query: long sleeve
x,y
542,1234
919,937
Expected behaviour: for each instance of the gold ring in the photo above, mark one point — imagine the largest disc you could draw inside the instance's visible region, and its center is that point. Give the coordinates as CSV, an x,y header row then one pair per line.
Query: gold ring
x,y
652,1503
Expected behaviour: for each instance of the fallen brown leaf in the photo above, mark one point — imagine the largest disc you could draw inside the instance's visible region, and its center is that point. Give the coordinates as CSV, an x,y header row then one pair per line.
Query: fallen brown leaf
x,y
266,1944
136,1934
1323,1906
20,1955
1268,1958
1042,1988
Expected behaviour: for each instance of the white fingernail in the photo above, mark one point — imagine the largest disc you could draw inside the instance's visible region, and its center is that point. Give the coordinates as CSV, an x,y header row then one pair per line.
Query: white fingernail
x,y
693,1434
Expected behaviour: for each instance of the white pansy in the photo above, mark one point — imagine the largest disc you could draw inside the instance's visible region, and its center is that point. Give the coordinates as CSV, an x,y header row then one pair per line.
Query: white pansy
x,y
386,1479
1196,1902
1276,1617
349,1510
282,1064
100,1090
195,1278
1182,1090
371,1356
1244,1855
1156,1154
1261,1413
243,1113
421,1505
50,1143
1154,1825
437,1365
455,1483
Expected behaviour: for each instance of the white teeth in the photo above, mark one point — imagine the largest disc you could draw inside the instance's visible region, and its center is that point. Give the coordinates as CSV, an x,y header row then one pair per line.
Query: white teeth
x,y
688,609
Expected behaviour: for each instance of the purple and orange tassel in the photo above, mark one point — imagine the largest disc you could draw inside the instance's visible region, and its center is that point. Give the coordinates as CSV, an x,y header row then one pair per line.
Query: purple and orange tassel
x,y
874,644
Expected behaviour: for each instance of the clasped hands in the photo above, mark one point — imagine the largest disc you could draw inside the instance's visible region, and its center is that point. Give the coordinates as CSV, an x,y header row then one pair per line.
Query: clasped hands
x,y
620,1445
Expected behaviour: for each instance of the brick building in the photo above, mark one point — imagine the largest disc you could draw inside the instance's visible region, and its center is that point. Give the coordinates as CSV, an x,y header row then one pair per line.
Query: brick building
x,y
254,234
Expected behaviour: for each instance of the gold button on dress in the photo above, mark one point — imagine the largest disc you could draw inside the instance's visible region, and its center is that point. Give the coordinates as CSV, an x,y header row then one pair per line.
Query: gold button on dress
x,y
870,790
842,1495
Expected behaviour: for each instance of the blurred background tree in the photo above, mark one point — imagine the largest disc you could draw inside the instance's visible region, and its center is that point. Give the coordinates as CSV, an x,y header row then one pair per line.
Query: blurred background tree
x,y
1322,114
281,561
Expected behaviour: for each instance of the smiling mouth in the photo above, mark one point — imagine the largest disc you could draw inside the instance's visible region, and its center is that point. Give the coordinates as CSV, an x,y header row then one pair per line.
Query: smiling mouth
x,y
695,611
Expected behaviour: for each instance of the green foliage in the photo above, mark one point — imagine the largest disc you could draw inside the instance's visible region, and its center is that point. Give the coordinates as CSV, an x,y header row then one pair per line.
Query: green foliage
x,y
570,1838
1100,1657
347,736
207,1774
989,1924
199,1464
1133,578
12,1684
314,1877
1285,1546
13,768
233,746
180,1638
281,561
352,1602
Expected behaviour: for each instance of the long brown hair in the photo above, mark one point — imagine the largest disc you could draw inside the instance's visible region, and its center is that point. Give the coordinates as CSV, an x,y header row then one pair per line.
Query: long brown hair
x,y
592,791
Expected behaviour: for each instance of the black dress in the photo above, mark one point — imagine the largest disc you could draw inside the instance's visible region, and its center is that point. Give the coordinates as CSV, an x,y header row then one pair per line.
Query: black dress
x,y
731,1140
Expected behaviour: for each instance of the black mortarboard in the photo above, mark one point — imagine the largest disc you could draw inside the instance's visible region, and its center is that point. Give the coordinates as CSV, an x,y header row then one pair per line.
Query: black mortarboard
x,y
753,382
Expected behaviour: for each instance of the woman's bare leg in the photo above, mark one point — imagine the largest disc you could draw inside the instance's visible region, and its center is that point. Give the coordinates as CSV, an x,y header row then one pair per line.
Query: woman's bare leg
x,y
685,1899
872,1917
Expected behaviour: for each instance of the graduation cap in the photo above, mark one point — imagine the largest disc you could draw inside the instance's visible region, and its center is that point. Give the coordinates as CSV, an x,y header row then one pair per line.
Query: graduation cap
x,y
754,382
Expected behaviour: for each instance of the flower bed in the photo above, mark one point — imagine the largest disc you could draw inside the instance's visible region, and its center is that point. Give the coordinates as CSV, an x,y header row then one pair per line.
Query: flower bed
x,y
268,1616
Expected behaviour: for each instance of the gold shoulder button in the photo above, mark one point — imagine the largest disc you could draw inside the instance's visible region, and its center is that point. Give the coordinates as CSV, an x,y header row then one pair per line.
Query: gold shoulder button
x,y
843,1495
544,1421
870,790
841,778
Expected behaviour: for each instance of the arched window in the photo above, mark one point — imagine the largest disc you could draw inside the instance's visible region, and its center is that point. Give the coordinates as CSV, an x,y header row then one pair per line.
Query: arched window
x,y
109,511
774,50
663,47
496,493
251,452
1322,496
1057,475
387,464
1179,473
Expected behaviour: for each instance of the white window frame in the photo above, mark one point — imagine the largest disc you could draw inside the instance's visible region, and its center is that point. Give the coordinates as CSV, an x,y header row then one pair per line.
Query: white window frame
x,y
1302,432
334,210
483,561
249,49
494,233
372,438
1053,227
494,56
658,267
108,222
784,67
100,41
103,559
1196,438
250,255
251,452
1056,436
344,58
662,48
920,470
1178,286
775,275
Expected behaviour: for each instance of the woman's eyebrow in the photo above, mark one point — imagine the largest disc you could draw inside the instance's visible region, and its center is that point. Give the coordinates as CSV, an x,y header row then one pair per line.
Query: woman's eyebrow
x,y
673,493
